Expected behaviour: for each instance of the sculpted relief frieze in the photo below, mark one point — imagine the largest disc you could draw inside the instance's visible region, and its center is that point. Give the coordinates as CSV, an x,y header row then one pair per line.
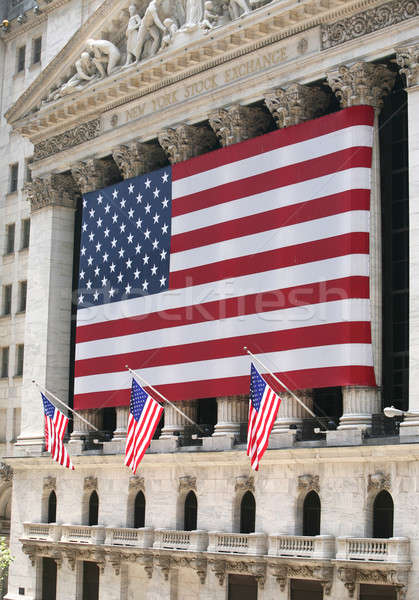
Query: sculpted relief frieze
x,y
161,25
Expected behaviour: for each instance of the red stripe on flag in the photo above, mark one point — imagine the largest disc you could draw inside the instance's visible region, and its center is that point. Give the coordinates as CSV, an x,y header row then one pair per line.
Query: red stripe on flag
x,y
271,180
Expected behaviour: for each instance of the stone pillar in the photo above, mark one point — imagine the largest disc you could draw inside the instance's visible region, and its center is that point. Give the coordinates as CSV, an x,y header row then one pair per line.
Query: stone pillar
x,y
366,84
48,311
232,125
138,158
122,414
239,123
174,421
408,59
81,429
291,106
231,411
92,174
290,412
296,104
185,141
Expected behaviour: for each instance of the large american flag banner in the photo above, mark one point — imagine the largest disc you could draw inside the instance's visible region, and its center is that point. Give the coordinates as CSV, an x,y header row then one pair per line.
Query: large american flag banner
x,y
263,408
262,244
55,425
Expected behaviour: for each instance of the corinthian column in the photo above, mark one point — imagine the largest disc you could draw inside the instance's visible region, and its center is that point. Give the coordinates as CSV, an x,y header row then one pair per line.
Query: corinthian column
x,y
48,312
291,106
174,422
90,175
408,60
239,123
185,141
138,158
367,84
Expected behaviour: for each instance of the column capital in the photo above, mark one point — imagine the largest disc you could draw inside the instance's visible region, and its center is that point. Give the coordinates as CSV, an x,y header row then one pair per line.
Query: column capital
x,y
296,104
239,123
138,158
94,173
185,141
57,189
361,83
408,60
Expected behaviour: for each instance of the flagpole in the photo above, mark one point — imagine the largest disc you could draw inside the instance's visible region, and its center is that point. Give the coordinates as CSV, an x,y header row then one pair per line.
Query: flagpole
x,y
41,387
135,374
281,383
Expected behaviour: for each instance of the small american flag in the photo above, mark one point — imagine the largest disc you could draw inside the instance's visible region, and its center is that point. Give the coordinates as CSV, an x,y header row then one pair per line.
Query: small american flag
x,y
144,416
55,426
263,408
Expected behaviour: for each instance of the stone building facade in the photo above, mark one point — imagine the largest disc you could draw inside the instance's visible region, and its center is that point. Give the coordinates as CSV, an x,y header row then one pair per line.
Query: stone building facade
x,y
329,515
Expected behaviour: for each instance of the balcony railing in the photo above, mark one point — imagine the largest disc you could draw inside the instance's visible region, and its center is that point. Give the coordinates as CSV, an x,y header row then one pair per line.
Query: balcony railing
x,y
120,536
237,543
319,546
395,550
45,532
174,539
83,534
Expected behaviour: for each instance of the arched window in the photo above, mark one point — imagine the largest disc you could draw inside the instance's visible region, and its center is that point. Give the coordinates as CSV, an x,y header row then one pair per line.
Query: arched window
x,y
247,513
52,508
93,508
191,510
311,514
383,513
139,510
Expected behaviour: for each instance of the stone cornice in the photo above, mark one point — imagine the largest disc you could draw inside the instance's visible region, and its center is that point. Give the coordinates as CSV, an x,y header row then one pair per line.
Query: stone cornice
x,y
266,26
391,453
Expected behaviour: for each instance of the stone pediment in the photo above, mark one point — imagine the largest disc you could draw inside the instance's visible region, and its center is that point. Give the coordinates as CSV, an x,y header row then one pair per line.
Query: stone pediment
x,y
121,54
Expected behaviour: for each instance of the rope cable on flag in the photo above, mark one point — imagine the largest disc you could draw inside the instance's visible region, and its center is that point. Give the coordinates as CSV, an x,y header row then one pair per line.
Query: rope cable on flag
x,y
135,374
42,388
255,358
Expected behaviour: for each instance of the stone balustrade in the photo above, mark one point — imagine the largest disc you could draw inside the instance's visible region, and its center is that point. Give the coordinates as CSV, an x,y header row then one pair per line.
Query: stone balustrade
x,y
83,534
318,546
196,541
124,536
237,543
46,532
393,550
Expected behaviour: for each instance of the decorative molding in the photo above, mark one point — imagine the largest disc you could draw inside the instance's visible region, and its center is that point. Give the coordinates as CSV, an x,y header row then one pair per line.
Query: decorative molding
x,y
115,559
148,563
379,481
282,572
309,482
163,562
187,483
71,556
138,158
72,137
30,550
6,472
245,484
350,576
200,567
136,483
368,21
94,174
219,569
58,189
408,60
239,123
50,484
186,141
90,483
296,104
361,83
